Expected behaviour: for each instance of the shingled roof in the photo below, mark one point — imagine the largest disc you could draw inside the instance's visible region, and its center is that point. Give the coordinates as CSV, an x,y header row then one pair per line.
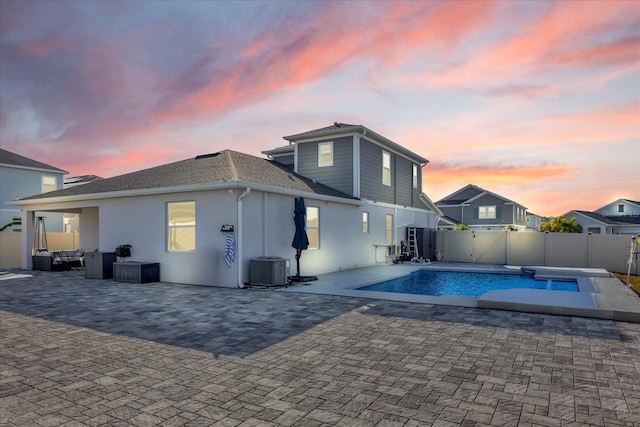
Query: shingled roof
x,y
344,128
223,167
12,159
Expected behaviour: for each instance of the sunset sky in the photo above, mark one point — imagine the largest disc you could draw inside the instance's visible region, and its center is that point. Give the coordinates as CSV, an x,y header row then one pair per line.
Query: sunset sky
x,y
536,101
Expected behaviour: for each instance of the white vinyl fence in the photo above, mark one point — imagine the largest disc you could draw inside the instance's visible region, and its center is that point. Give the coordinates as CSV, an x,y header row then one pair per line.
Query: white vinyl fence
x,y
11,246
607,251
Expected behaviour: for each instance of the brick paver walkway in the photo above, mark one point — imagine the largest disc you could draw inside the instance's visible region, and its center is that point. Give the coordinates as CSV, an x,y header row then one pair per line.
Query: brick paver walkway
x,y
370,363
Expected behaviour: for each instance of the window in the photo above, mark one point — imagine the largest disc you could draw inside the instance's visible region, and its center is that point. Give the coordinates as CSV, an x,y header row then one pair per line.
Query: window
x,y
49,184
365,222
415,176
325,154
313,227
389,229
620,208
181,226
386,168
487,212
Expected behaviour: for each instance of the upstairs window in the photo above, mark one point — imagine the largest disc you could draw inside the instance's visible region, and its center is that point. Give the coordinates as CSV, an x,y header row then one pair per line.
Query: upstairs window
x,y
49,184
365,222
181,226
487,212
325,154
386,168
313,227
620,208
415,176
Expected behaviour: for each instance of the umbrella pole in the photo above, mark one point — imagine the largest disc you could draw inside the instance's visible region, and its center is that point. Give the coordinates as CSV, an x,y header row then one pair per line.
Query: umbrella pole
x,y
298,253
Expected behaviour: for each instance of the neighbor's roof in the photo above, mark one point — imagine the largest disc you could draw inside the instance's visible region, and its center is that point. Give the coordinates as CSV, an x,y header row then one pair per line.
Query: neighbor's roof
x,y
225,167
478,192
8,158
338,129
594,216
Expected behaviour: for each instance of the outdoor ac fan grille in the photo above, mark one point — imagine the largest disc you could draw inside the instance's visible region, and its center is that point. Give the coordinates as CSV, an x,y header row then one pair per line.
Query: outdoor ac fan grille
x,y
270,271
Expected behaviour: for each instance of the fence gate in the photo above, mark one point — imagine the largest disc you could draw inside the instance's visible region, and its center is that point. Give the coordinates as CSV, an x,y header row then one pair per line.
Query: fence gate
x,y
458,246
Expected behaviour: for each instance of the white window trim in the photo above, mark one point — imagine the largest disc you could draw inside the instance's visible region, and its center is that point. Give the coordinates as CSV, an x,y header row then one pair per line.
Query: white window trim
x,y
386,153
388,232
414,174
325,144
308,227
170,227
485,211
55,183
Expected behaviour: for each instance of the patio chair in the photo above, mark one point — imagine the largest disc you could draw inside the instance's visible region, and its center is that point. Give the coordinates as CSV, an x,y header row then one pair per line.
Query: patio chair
x,y
62,261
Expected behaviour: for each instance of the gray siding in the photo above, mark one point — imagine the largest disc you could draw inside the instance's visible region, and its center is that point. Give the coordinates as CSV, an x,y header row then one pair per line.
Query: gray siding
x,y
19,183
371,186
401,191
338,176
504,213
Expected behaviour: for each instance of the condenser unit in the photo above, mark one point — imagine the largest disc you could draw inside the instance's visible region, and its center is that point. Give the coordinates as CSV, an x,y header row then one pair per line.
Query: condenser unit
x,y
269,271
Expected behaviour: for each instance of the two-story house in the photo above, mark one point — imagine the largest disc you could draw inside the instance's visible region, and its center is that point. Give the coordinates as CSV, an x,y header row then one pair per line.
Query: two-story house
x,y
481,209
622,216
21,177
362,192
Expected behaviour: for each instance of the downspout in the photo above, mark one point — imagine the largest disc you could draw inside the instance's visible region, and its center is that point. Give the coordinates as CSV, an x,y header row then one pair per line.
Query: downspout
x,y
239,236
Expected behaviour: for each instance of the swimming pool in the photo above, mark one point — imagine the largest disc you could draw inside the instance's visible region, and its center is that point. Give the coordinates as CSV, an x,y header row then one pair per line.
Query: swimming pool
x,y
437,283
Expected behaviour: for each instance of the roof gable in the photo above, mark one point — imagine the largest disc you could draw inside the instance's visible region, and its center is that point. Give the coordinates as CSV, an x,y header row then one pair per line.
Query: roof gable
x,y
7,158
342,129
469,194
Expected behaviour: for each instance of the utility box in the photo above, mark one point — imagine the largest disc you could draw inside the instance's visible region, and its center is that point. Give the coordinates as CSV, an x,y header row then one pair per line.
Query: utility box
x,y
99,265
269,271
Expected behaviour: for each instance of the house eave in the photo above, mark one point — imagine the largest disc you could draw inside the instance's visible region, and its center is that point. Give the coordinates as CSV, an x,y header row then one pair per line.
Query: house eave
x,y
31,168
230,185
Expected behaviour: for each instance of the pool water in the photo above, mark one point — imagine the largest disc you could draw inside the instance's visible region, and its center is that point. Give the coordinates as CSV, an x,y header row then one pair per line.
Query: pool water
x,y
435,283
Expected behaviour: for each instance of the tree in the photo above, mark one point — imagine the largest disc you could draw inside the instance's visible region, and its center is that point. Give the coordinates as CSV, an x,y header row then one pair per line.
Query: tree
x,y
560,224
462,226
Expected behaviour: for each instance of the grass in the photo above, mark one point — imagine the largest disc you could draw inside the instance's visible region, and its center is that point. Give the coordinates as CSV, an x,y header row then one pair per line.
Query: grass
x,y
634,280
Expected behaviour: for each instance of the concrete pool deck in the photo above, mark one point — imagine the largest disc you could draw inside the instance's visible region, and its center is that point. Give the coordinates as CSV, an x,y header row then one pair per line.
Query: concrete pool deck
x,y
601,295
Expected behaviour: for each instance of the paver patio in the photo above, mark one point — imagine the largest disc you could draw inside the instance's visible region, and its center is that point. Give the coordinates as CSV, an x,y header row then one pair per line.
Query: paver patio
x,y
78,352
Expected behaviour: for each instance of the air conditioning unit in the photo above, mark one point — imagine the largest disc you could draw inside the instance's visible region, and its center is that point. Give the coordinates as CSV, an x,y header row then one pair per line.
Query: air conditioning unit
x,y
269,271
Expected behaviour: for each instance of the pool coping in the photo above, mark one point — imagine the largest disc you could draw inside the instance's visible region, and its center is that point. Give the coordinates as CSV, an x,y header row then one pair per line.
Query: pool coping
x,y
601,294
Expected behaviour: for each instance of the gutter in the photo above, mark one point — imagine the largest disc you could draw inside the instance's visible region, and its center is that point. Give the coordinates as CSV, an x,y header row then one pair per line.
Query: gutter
x,y
183,189
239,236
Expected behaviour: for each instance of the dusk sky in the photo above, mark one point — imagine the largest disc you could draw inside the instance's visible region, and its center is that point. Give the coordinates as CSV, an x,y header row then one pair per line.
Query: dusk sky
x,y
536,101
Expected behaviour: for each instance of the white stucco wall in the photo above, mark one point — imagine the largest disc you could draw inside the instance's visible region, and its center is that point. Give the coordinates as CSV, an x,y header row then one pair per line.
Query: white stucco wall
x,y
267,229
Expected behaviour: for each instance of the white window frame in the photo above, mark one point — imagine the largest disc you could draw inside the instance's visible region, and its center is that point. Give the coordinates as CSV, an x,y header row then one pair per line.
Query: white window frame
x,y
322,164
171,228
388,228
45,186
486,212
386,177
365,222
315,229
415,176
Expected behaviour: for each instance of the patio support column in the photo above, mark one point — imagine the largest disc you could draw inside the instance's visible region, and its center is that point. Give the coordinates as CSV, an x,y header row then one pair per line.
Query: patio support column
x,y
28,229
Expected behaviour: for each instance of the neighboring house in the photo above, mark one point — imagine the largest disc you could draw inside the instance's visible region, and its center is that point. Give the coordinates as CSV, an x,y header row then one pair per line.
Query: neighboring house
x,y
71,221
21,177
533,221
483,210
362,191
619,217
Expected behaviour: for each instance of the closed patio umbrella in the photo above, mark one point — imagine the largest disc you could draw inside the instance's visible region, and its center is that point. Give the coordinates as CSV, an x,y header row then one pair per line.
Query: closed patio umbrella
x,y
300,238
